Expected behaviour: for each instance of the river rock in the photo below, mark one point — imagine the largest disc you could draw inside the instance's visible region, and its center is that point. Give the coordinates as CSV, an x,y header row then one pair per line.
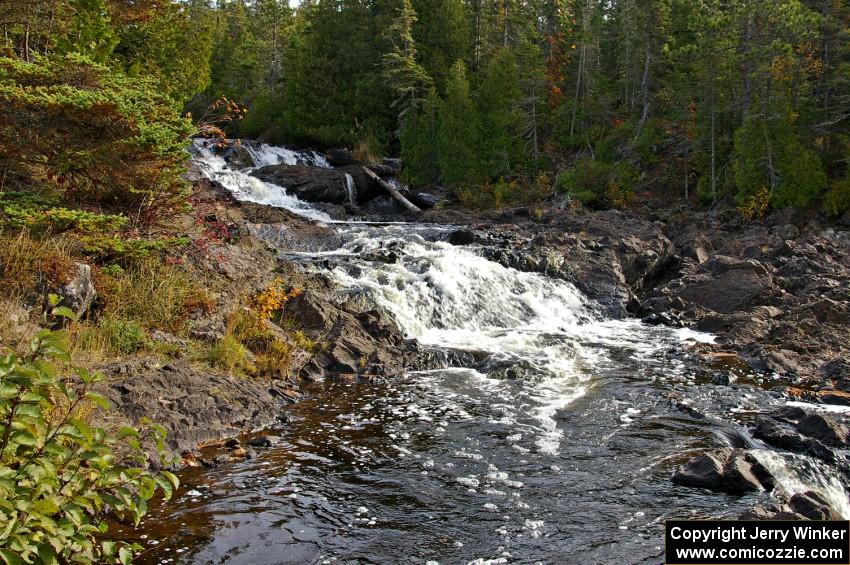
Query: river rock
x,y
237,157
727,470
264,441
824,429
79,292
363,342
339,157
425,200
813,506
462,237
169,395
312,184
772,432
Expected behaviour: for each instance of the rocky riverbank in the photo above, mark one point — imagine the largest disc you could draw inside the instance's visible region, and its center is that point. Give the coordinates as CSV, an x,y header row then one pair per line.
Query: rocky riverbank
x,y
774,292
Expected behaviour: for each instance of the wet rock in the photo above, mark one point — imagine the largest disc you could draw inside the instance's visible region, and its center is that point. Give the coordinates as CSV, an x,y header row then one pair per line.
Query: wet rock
x,y
813,506
232,443
462,237
727,470
824,429
365,342
264,441
791,414
835,397
311,184
771,432
237,156
79,292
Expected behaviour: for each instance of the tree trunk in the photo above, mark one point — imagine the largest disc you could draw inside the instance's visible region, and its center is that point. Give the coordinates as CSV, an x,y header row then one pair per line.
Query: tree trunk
x,y
746,67
644,91
771,169
392,192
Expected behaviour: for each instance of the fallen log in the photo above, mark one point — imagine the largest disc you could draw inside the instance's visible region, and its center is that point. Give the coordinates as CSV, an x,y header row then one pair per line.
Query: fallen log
x,y
392,192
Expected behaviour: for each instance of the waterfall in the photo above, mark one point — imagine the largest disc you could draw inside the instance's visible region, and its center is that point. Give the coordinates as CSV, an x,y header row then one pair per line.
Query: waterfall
x,y
351,189
248,188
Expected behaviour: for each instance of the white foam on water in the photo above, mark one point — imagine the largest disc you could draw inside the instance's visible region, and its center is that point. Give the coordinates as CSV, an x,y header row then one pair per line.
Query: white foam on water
x,y
248,188
798,474
351,189
831,408
687,334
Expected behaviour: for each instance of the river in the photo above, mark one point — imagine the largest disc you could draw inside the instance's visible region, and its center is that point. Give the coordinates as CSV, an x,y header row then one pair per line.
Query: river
x,y
533,430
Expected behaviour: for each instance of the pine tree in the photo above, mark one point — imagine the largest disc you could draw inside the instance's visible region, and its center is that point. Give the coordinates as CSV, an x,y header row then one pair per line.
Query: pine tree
x,y
501,117
419,142
405,76
458,136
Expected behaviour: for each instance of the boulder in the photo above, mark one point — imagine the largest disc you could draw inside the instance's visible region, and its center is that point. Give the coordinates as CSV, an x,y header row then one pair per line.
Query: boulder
x,y
195,406
727,292
813,506
354,342
462,237
424,200
339,157
237,157
772,432
824,429
79,292
726,470
264,441
312,184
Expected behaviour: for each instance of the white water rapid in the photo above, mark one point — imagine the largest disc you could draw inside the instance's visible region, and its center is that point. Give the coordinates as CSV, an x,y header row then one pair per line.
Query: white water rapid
x,y
533,430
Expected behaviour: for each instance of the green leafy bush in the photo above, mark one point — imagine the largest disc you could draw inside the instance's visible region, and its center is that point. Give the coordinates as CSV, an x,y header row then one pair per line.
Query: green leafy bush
x,y
837,200
39,214
122,336
59,476
599,184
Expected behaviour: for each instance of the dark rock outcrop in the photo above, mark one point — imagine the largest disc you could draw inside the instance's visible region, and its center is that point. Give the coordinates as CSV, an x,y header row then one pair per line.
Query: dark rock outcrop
x,y
727,470
169,395
352,340
824,429
773,433
311,184
812,506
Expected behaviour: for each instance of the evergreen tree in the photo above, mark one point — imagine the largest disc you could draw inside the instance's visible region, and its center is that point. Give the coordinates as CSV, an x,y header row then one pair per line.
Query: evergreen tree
x,y
502,124
458,134
405,76
419,141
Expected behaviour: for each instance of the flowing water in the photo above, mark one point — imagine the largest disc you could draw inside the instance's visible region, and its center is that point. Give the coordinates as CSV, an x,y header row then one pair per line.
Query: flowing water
x,y
534,430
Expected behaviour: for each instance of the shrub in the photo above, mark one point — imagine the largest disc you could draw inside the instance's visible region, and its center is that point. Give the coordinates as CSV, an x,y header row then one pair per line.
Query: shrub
x,y
230,355
121,336
59,476
837,200
153,294
29,264
40,214
81,132
599,184
249,328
